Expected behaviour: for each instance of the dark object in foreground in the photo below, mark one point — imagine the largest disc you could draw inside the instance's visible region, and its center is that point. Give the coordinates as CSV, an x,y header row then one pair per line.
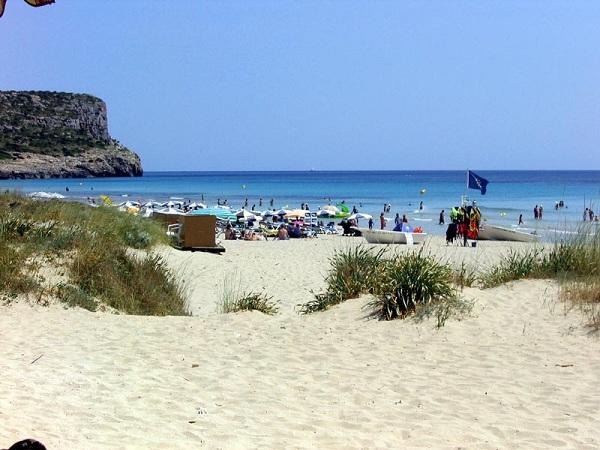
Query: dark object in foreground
x,y
27,444
349,229
451,233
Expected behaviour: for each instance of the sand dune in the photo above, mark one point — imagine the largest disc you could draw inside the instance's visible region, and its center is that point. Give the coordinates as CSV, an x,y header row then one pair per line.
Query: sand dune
x,y
517,374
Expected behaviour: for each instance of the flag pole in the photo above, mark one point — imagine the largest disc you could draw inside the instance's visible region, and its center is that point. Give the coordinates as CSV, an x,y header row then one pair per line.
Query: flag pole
x,y
464,197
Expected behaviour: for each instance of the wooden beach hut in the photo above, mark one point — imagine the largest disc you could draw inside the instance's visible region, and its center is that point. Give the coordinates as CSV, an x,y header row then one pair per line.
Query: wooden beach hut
x,y
197,232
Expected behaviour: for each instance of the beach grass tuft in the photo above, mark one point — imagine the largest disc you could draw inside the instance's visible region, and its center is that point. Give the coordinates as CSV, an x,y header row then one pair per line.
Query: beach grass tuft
x,y
73,296
584,295
513,266
234,299
133,284
17,273
411,281
353,272
444,308
574,262
251,301
465,276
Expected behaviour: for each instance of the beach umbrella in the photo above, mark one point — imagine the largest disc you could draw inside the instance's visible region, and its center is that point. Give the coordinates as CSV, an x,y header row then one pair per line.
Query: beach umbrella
x,y
268,213
245,215
282,212
360,216
170,211
220,213
296,213
197,205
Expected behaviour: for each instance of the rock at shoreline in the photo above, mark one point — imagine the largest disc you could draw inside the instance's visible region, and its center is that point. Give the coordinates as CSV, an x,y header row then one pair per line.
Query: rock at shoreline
x,y
59,135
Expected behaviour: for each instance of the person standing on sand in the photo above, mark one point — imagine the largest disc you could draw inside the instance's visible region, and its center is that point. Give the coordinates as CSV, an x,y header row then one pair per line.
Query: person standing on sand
x,y
397,219
442,218
536,212
382,221
404,218
585,214
541,212
371,223
520,219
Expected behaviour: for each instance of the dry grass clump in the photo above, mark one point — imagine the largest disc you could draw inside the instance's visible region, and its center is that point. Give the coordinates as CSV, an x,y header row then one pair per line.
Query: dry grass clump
x,y
584,295
92,244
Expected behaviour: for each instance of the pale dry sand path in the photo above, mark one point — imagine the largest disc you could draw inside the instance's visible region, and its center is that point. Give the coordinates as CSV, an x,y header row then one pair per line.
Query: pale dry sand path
x,y
517,374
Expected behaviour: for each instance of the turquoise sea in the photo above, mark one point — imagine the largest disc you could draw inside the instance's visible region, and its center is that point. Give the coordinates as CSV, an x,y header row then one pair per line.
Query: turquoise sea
x,y
509,194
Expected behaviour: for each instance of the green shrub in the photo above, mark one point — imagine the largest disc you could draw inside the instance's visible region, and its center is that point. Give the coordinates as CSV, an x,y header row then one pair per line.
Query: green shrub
x,y
75,296
16,274
410,281
93,244
73,222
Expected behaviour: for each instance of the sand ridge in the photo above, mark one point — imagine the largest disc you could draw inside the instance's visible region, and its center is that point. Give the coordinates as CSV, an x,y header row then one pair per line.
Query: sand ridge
x,y
518,373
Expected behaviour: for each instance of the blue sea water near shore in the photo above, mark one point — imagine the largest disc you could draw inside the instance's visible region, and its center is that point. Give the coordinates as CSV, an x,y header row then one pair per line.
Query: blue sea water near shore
x,y
509,194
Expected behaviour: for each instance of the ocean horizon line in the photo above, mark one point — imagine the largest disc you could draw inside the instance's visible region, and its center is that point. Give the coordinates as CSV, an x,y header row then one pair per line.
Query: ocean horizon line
x,y
370,171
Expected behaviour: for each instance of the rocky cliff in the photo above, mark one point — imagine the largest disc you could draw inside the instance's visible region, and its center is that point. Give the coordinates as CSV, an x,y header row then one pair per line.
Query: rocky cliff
x,y
59,135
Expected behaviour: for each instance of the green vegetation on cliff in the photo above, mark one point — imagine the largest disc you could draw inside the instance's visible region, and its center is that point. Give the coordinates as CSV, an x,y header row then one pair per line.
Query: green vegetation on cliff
x,y
51,123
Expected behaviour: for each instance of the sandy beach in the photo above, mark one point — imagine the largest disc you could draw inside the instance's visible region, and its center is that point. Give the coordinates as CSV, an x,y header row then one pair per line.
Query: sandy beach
x,y
520,372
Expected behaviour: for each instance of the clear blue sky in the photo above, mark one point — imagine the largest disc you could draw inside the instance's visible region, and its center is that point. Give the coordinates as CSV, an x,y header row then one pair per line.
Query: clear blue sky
x,y
267,85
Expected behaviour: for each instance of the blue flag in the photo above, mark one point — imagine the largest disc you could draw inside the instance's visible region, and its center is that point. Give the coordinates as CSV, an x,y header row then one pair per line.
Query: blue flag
x,y
477,182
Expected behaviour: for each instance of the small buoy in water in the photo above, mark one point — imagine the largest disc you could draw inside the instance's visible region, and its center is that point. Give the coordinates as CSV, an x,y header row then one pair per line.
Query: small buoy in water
x,y
423,191
243,186
502,213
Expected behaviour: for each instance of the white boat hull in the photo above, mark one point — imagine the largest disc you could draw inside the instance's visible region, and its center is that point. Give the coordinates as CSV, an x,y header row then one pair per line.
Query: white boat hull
x,y
391,237
496,233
